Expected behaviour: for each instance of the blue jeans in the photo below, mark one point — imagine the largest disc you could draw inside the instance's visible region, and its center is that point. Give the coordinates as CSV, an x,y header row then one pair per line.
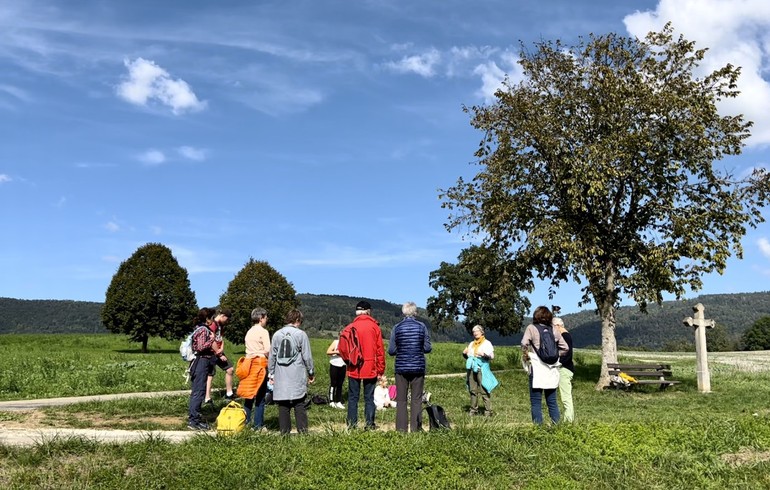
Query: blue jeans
x,y
354,391
536,399
259,409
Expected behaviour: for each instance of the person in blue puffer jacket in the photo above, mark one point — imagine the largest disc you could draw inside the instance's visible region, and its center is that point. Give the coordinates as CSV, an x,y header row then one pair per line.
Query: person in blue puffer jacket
x,y
409,342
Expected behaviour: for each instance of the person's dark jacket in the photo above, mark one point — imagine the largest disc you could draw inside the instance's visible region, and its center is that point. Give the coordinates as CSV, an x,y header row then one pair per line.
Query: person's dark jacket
x,y
566,358
409,342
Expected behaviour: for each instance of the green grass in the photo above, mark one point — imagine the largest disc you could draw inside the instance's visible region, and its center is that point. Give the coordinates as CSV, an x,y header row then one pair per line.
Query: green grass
x,y
643,439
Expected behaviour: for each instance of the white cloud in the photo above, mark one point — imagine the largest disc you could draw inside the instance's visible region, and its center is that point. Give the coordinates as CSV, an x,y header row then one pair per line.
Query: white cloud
x,y
112,226
421,64
147,81
764,247
152,157
736,32
191,153
491,79
4,178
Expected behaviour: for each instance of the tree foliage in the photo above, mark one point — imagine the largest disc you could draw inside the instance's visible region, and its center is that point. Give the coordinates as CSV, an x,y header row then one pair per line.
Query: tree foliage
x,y
758,336
257,284
598,167
465,290
149,296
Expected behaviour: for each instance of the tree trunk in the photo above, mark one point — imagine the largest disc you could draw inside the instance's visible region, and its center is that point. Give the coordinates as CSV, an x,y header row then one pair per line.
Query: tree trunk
x,y
144,344
606,306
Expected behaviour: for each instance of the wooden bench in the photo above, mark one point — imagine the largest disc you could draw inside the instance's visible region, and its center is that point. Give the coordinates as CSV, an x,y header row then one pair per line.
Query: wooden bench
x,y
644,374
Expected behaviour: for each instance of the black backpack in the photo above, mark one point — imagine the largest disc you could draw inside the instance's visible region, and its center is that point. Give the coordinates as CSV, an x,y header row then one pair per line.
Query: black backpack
x,y
437,417
548,351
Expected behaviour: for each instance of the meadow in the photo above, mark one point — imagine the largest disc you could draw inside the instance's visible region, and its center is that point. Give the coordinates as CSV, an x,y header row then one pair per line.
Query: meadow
x,y
644,438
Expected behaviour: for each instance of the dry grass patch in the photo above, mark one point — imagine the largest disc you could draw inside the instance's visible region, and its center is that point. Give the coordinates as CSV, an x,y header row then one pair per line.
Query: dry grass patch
x,y
746,456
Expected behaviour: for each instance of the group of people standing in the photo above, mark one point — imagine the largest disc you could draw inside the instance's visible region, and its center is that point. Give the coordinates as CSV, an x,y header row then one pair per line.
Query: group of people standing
x,y
284,366
544,378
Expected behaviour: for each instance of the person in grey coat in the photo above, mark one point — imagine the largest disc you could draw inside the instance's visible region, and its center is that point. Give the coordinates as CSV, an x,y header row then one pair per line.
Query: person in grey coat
x,y
290,368
409,342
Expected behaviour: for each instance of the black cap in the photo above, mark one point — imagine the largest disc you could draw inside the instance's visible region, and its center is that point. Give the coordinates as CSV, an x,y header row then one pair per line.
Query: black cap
x,y
363,305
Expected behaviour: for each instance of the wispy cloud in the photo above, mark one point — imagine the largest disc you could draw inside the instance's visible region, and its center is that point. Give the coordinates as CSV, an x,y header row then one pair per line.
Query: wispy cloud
x,y
191,153
152,157
112,226
147,82
16,93
5,178
423,64
764,247
341,256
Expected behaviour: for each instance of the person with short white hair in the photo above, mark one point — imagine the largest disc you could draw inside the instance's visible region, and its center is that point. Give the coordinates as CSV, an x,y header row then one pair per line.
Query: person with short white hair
x,y
479,378
409,342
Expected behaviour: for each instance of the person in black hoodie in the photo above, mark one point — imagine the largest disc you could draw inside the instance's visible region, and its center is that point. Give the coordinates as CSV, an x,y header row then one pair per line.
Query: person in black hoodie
x,y
566,372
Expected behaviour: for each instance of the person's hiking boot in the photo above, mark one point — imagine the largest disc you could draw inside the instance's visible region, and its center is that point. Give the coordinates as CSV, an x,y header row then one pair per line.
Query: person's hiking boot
x,y
473,411
488,413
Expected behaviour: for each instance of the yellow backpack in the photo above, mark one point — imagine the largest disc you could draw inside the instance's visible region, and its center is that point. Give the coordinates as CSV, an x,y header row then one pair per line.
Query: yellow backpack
x,y
231,419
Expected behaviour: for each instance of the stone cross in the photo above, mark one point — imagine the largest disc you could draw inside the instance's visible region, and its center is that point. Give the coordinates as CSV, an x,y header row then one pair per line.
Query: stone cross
x,y
701,355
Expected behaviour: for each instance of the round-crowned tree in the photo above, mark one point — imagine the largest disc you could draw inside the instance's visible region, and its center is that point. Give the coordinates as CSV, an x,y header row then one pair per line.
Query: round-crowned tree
x,y
257,284
149,296
757,337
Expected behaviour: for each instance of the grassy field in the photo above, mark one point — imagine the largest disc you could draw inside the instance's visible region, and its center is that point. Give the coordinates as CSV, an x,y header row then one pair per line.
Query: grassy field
x,y
678,438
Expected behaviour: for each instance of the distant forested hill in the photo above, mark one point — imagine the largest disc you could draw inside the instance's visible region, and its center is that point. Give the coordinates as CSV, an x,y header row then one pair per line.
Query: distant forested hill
x,y
49,316
326,314
662,325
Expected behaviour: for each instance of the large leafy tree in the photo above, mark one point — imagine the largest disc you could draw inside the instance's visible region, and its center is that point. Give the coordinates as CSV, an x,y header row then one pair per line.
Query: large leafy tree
x,y
150,296
257,284
481,288
757,337
598,167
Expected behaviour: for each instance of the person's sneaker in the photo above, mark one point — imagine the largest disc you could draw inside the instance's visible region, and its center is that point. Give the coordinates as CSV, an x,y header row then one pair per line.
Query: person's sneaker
x,y
473,412
426,397
340,405
208,403
198,426
488,413
332,404
230,397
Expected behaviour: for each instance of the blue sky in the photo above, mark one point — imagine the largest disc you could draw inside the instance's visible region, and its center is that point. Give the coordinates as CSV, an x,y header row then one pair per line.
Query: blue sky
x,y
313,135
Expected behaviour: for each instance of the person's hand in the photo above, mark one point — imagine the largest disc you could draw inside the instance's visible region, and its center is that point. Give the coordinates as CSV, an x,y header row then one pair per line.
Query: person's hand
x,y
486,357
465,351
311,380
525,356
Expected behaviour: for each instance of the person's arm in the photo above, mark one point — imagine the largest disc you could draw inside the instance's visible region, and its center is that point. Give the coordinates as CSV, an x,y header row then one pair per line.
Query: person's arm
x,y
332,350
271,359
392,347
489,352
379,353
307,358
526,340
560,342
426,345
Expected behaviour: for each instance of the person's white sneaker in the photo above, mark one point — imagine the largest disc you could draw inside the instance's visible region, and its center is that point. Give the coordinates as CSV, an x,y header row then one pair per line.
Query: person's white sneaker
x,y
340,405
331,404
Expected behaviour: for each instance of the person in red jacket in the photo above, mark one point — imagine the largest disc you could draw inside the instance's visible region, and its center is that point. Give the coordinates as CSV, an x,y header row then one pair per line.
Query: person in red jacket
x,y
373,352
